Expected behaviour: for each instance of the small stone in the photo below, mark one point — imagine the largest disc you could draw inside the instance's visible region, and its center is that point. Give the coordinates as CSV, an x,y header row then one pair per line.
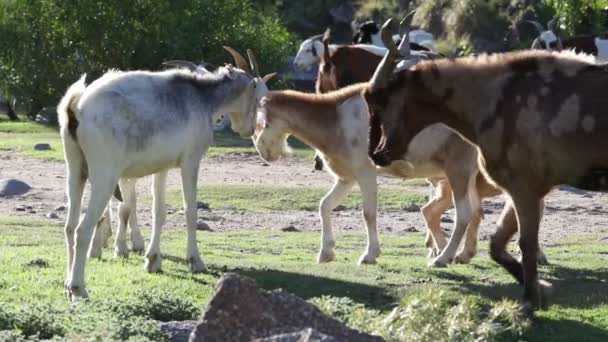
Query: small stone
x,y
413,207
13,187
488,211
60,208
265,164
51,215
446,219
290,229
20,209
411,229
202,205
32,212
38,262
42,147
203,226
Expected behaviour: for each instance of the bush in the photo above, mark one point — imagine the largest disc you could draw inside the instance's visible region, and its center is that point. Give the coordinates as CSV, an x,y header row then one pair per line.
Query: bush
x,y
46,45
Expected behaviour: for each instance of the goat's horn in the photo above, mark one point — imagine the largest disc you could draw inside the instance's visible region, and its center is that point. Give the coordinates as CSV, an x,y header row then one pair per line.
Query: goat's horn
x,y
317,37
240,61
254,63
386,66
551,24
536,24
181,64
404,25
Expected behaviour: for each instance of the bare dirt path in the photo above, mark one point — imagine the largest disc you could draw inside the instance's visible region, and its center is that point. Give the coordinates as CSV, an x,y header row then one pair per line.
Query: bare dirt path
x,y
567,211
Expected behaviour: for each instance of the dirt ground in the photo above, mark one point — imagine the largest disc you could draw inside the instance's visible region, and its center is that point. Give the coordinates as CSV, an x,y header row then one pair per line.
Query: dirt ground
x,y
568,211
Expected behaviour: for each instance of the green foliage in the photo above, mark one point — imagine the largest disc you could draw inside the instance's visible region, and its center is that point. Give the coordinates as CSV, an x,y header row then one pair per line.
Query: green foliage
x,y
33,319
577,16
46,45
158,305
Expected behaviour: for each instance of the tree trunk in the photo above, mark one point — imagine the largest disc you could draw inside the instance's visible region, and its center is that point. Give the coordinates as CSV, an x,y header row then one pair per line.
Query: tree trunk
x,y
11,112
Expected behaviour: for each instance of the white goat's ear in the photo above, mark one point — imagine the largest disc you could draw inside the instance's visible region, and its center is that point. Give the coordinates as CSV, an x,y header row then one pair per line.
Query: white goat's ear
x,y
267,78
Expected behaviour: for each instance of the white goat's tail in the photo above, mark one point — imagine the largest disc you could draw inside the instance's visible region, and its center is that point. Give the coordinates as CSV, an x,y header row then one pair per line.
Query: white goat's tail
x,y
67,110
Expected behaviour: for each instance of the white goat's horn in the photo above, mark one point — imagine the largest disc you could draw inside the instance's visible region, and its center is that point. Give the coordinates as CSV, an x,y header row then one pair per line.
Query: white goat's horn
x,y
551,24
181,64
254,63
240,61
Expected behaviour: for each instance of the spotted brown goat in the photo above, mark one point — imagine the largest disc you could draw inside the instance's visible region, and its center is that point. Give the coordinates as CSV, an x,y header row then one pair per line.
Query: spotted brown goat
x,y
451,163
536,118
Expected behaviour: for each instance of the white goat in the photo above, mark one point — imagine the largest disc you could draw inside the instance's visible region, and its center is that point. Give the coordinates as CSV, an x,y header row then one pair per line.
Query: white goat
x,y
127,125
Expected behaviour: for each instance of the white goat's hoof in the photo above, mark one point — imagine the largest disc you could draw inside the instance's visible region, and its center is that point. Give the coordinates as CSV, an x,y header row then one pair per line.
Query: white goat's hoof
x,y
367,259
76,292
137,243
326,255
438,263
463,257
197,265
153,263
95,252
121,250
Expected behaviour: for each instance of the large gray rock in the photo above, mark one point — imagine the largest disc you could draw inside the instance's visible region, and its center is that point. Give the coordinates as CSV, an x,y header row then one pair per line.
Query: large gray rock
x,y
306,335
239,311
13,187
177,331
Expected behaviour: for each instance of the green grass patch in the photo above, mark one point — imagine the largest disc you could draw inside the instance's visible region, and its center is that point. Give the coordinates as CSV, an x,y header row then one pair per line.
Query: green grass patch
x,y
398,298
262,198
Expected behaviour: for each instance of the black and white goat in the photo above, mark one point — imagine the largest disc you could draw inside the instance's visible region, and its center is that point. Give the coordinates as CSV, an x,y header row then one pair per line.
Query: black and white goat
x,y
369,33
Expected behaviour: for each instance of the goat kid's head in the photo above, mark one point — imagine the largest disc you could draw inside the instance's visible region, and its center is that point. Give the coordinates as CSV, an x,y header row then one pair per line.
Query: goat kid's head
x,y
244,106
309,53
270,138
548,39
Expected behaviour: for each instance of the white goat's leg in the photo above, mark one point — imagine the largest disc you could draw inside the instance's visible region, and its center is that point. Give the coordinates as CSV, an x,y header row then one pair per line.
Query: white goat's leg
x,y
335,195
76,180
103,231
153,257
103,183
464,199
125,211
137,240
189,179
432,212
369,192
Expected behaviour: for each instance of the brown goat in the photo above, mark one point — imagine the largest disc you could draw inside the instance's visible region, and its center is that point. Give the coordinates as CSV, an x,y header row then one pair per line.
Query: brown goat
x,y
537,118
455,159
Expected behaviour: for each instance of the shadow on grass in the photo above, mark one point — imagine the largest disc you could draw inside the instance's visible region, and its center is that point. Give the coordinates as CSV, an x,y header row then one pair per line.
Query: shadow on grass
x,y
556,330
302,285
573,287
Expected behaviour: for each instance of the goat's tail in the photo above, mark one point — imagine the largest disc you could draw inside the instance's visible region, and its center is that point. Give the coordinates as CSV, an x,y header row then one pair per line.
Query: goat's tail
x,y
67,110
69,114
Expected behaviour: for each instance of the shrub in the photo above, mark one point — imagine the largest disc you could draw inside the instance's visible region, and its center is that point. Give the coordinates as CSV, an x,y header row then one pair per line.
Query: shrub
x,y
46,45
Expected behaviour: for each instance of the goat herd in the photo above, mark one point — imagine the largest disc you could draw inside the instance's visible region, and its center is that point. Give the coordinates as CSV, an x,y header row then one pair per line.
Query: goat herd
x,y
519,122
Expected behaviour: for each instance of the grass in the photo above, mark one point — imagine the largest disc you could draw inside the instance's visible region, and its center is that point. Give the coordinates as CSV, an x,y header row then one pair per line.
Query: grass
x,y
21,136
263,198
399,297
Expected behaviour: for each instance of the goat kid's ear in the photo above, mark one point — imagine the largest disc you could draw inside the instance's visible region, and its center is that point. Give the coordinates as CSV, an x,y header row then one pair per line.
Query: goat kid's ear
x,y
267,78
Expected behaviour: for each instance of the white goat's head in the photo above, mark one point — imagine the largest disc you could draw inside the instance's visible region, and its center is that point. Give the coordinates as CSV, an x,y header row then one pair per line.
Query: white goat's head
x,y
309,53
270,138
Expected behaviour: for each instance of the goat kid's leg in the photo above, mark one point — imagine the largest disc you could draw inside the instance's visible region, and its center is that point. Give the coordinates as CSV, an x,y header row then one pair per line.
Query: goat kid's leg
x,y
528,210
103,183
441,201
369,192
469,249
103,231
125,211
337,193
189,179
464,200
153,257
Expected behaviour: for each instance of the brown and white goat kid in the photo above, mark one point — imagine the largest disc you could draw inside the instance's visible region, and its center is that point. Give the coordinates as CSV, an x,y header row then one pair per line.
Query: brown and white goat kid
x,y
537,117
453,159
